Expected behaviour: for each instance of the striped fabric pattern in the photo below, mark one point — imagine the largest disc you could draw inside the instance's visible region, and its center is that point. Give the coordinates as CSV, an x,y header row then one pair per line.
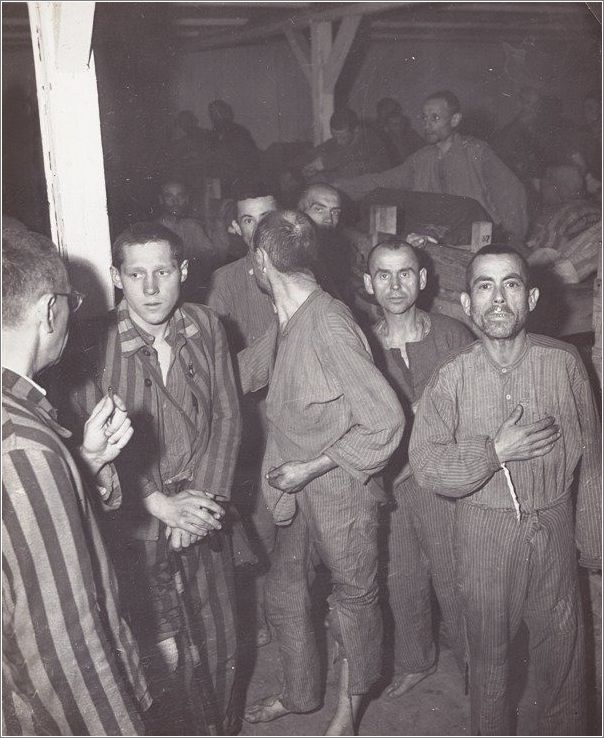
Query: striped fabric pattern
x,y
244,309
466,401
584,251
326,396
189,428
69,662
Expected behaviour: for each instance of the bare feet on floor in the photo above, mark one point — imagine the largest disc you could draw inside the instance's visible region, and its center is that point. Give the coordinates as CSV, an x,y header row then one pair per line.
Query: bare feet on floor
x,y
405,682
267,709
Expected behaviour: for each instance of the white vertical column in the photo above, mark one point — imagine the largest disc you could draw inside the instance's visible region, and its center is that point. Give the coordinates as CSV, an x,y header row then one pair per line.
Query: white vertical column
x,y
71,141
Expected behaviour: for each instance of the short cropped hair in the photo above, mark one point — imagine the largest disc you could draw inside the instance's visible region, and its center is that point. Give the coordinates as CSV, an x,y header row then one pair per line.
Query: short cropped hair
x,y
146,232
497,249
31,267
305,200
452,100
395,244
290,240
343,119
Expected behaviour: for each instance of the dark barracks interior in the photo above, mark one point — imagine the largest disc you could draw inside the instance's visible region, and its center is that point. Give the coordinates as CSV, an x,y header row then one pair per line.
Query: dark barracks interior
x,y
301,368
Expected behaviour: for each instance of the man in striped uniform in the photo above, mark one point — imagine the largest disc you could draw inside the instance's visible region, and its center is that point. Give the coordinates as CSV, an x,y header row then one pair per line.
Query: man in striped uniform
x,y
502,427
70,666
333,423
411,343
171,364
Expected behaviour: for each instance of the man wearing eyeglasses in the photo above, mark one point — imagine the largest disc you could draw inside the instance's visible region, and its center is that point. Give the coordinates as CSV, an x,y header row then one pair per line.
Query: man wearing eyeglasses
x,y
452,164
70,664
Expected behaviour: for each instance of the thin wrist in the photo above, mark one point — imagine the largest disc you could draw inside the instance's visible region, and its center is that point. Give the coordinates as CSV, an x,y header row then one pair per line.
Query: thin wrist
x,y
92,462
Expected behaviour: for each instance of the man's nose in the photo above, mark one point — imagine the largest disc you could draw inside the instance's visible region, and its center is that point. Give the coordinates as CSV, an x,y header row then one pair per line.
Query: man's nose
x,y
498,295
150,286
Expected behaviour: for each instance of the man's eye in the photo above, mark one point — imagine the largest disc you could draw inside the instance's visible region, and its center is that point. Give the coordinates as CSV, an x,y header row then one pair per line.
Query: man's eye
x,y
134,275
383,276
164,272
514,284
484,286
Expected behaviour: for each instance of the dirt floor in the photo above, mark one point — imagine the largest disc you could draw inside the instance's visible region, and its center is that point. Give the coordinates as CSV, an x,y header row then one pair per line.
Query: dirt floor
x,y
436,706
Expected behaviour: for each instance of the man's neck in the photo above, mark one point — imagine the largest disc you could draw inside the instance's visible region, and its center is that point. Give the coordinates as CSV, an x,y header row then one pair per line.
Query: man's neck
x,y
403,328
444,146
19,353
290,295
159,332
505,351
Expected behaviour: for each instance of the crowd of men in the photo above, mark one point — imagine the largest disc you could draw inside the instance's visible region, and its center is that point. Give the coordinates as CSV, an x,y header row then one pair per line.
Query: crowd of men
x,y
237,393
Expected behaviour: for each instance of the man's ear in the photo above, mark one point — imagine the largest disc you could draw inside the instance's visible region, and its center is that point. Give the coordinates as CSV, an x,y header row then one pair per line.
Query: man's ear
x,y
184,270
46,308
533,298
455,120
260,256
368,284
234,228
115,277
466,303
423,278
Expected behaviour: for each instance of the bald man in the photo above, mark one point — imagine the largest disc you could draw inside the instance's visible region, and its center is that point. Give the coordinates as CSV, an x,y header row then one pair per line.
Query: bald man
x,y
411,343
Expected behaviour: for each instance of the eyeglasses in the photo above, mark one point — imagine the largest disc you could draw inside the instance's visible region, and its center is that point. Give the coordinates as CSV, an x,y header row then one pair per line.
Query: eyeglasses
x,y
74,299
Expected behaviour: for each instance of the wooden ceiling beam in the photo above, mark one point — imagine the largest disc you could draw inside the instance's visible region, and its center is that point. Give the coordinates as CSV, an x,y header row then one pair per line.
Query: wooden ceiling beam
x,y
296,21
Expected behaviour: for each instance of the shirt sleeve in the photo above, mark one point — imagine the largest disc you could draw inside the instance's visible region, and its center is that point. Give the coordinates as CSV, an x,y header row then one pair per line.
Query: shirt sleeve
x,y
217,297
56,650
397,178
440,460
376,417
217,466
506,192
588,522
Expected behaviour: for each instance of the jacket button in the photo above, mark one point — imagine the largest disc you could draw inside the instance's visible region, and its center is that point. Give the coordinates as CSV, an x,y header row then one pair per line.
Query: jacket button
x,y
148,382
146,352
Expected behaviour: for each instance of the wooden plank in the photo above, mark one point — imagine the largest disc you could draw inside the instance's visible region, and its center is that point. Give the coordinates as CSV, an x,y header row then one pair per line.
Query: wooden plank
x,y
293,21
382,222
73,34
73,155
341,47
322,97
299,45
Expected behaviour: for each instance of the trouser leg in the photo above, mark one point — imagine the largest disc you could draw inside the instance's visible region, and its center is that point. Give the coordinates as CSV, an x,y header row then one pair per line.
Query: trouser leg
x,y
493,563
342,516
288,609
408,586
209,593
555,621
434,518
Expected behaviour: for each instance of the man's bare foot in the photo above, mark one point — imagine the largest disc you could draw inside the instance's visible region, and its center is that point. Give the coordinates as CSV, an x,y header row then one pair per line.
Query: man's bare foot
x,y
341,724
405,682
347,710
267,709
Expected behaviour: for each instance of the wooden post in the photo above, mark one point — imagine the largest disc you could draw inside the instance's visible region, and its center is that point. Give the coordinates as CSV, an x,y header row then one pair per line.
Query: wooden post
x,y
322,96
327,57
382,221
71,140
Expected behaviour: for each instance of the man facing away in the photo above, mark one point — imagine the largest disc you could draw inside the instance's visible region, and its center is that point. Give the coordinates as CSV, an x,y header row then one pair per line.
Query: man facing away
x,y
411,344
170,362
452,164
333,424
502,427
69,664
